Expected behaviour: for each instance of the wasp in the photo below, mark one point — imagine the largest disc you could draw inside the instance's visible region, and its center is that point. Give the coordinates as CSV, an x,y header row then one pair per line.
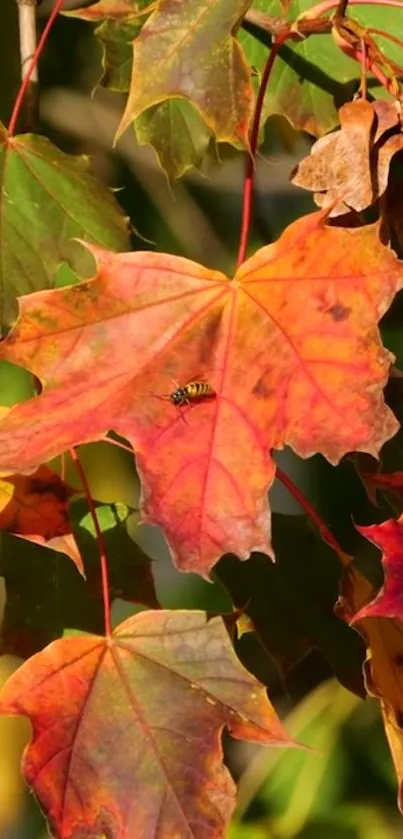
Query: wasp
x,y
197,391
191,392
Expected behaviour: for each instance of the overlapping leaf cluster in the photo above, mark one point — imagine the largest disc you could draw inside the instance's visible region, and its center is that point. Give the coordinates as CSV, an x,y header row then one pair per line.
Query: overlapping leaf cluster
x,y
290,354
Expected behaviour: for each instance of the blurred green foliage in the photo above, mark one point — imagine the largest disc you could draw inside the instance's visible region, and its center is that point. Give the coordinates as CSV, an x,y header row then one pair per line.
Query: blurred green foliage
x,y
344,788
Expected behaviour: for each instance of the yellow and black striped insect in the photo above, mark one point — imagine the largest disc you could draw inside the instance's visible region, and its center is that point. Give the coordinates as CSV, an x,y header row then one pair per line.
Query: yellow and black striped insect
x,y
191,392
184,395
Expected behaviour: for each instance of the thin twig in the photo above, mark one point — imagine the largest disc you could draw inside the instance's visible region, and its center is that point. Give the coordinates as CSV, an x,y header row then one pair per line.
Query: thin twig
x,y
250,165
341,9
311,22
325,6
278,26
313,514
364,62
100,541
30,69
372,30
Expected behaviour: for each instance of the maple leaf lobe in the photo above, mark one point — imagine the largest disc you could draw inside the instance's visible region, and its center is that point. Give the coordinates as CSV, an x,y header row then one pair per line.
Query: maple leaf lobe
x,y
388,537
139,719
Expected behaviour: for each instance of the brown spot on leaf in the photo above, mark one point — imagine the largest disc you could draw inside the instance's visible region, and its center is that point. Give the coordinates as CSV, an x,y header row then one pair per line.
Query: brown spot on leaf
x,y
210,332
260,389
339,312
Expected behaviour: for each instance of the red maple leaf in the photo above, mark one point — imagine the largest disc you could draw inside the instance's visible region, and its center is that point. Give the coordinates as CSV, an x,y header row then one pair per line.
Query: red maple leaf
x,y
290,347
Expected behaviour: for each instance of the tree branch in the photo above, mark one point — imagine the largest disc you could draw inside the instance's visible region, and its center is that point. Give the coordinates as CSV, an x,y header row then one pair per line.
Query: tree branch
x,y
277,27
341,9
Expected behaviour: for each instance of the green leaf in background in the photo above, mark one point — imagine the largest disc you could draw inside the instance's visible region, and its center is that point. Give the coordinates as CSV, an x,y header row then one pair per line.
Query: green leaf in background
x,y
313,77
291,601
247,831
256,47
298,787
48,198
121,22
178,134
117,35
46,595
188,50
116,39
313,794
16,384
74,633
174,128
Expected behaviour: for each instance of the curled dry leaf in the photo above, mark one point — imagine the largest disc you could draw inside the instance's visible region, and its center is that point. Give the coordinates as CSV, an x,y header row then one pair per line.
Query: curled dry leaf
x,y
349,169
35,507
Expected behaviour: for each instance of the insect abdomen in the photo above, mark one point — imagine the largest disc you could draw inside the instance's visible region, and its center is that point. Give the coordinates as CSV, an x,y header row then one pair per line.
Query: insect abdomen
x,y
198,390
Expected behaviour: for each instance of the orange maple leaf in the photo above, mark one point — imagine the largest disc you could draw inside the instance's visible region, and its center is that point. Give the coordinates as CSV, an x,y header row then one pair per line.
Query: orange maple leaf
x,y
290,347
126,729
